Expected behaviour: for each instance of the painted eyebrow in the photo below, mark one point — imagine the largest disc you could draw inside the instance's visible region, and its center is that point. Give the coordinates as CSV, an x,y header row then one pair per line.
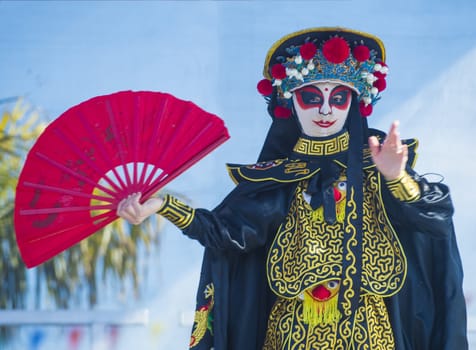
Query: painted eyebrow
x,y
340,87
308,87
313,87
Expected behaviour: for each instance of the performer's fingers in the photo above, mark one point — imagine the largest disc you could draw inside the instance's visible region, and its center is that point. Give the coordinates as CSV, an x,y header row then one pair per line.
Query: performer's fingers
x,y
136,205
393,137
374,145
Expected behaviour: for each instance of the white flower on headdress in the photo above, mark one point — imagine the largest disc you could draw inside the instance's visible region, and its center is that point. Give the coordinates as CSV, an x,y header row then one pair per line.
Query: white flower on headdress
x,y
298,59
377,67
304,71
374,91
367,100
287,95
371,78
311,66
291,72
384,70
277,82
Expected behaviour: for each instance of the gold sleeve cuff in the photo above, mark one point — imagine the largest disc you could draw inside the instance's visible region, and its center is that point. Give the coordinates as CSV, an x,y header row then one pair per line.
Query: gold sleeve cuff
x,y
405,188
177,212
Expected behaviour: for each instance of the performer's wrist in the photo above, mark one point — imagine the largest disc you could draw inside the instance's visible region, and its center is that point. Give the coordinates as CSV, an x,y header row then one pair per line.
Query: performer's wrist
x,y
177,212
404,188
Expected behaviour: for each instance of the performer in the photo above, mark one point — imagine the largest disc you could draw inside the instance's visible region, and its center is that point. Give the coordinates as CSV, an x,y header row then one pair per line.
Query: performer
x,y
331,240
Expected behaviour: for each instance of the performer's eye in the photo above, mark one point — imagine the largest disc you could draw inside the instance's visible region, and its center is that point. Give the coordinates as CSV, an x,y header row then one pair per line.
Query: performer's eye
x,y
311,98
340,97
332,284
342,185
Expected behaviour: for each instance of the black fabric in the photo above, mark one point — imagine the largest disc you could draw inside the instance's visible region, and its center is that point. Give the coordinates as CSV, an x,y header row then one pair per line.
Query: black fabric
x,y
429,313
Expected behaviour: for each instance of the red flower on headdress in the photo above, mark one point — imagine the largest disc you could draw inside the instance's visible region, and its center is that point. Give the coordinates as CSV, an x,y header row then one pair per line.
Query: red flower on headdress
x,y
282,112
336,50
278,71
361,53
265,87
380,84
365,110
308,50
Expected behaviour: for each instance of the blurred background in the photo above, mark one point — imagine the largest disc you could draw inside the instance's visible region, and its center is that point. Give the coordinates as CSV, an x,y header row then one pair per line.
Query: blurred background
x,y
56,54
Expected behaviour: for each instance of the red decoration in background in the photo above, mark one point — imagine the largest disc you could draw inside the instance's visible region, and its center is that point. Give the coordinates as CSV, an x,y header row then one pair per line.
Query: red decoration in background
x,y
113,337
265,87
282,112
278,71
365,110
74,338
336,50
307,51
96,154
361,53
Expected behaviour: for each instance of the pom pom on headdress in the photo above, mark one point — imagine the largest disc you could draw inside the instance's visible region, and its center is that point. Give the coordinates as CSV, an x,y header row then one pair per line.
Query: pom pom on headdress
x,y
336,50
282,112
278,71
380,84
265,87
365,109
361,53
308,50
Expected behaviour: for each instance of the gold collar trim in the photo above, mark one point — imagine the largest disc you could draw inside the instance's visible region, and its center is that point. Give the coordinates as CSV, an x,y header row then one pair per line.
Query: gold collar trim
x,y
328,147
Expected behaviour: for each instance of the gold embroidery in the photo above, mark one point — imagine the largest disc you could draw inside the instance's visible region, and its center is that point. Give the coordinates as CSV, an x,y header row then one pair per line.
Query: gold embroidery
x,y
177,212
296,168
371,328
382,262
322,147
306,252
405,188
202,317
350,257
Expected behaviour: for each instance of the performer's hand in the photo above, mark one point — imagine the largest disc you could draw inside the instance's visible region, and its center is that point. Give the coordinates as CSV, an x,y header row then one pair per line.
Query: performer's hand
x,y
390,157
134,212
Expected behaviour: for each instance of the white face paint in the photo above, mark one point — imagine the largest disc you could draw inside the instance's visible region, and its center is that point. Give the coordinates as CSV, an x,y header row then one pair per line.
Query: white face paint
x,y
322,108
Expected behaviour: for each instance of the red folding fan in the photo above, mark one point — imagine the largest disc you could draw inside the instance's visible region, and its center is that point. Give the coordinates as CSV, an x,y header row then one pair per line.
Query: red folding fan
x,y
96,154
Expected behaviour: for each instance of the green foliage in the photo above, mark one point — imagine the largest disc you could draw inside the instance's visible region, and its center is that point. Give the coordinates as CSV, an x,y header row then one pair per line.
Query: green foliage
x,y
75,276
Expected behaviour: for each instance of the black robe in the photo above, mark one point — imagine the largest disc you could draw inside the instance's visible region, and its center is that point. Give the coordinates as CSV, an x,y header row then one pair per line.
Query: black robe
x,y
427,314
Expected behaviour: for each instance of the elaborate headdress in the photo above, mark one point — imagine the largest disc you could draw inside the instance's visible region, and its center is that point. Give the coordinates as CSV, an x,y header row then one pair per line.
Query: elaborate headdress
x,y
353,58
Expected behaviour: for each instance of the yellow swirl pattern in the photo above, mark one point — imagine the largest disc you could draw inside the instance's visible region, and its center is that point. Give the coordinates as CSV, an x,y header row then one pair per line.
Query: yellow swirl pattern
x,y
288,331
306,252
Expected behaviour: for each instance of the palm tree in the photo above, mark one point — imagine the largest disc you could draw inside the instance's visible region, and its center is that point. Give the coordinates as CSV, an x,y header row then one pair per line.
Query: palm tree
x,y
113,254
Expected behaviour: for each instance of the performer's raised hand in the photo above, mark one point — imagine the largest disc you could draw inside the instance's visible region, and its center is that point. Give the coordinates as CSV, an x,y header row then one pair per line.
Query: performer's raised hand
x,y
391,156
134,212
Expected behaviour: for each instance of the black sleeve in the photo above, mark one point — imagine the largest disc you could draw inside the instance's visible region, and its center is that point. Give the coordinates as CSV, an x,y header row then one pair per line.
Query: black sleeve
x,y
431,214
429,312
243,221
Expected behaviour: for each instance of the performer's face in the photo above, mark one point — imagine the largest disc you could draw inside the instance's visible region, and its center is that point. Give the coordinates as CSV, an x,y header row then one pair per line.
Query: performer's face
x,y
322,108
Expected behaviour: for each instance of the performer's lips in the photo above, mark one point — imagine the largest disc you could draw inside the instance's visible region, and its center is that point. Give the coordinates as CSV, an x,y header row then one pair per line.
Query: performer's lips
x,y
323,123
